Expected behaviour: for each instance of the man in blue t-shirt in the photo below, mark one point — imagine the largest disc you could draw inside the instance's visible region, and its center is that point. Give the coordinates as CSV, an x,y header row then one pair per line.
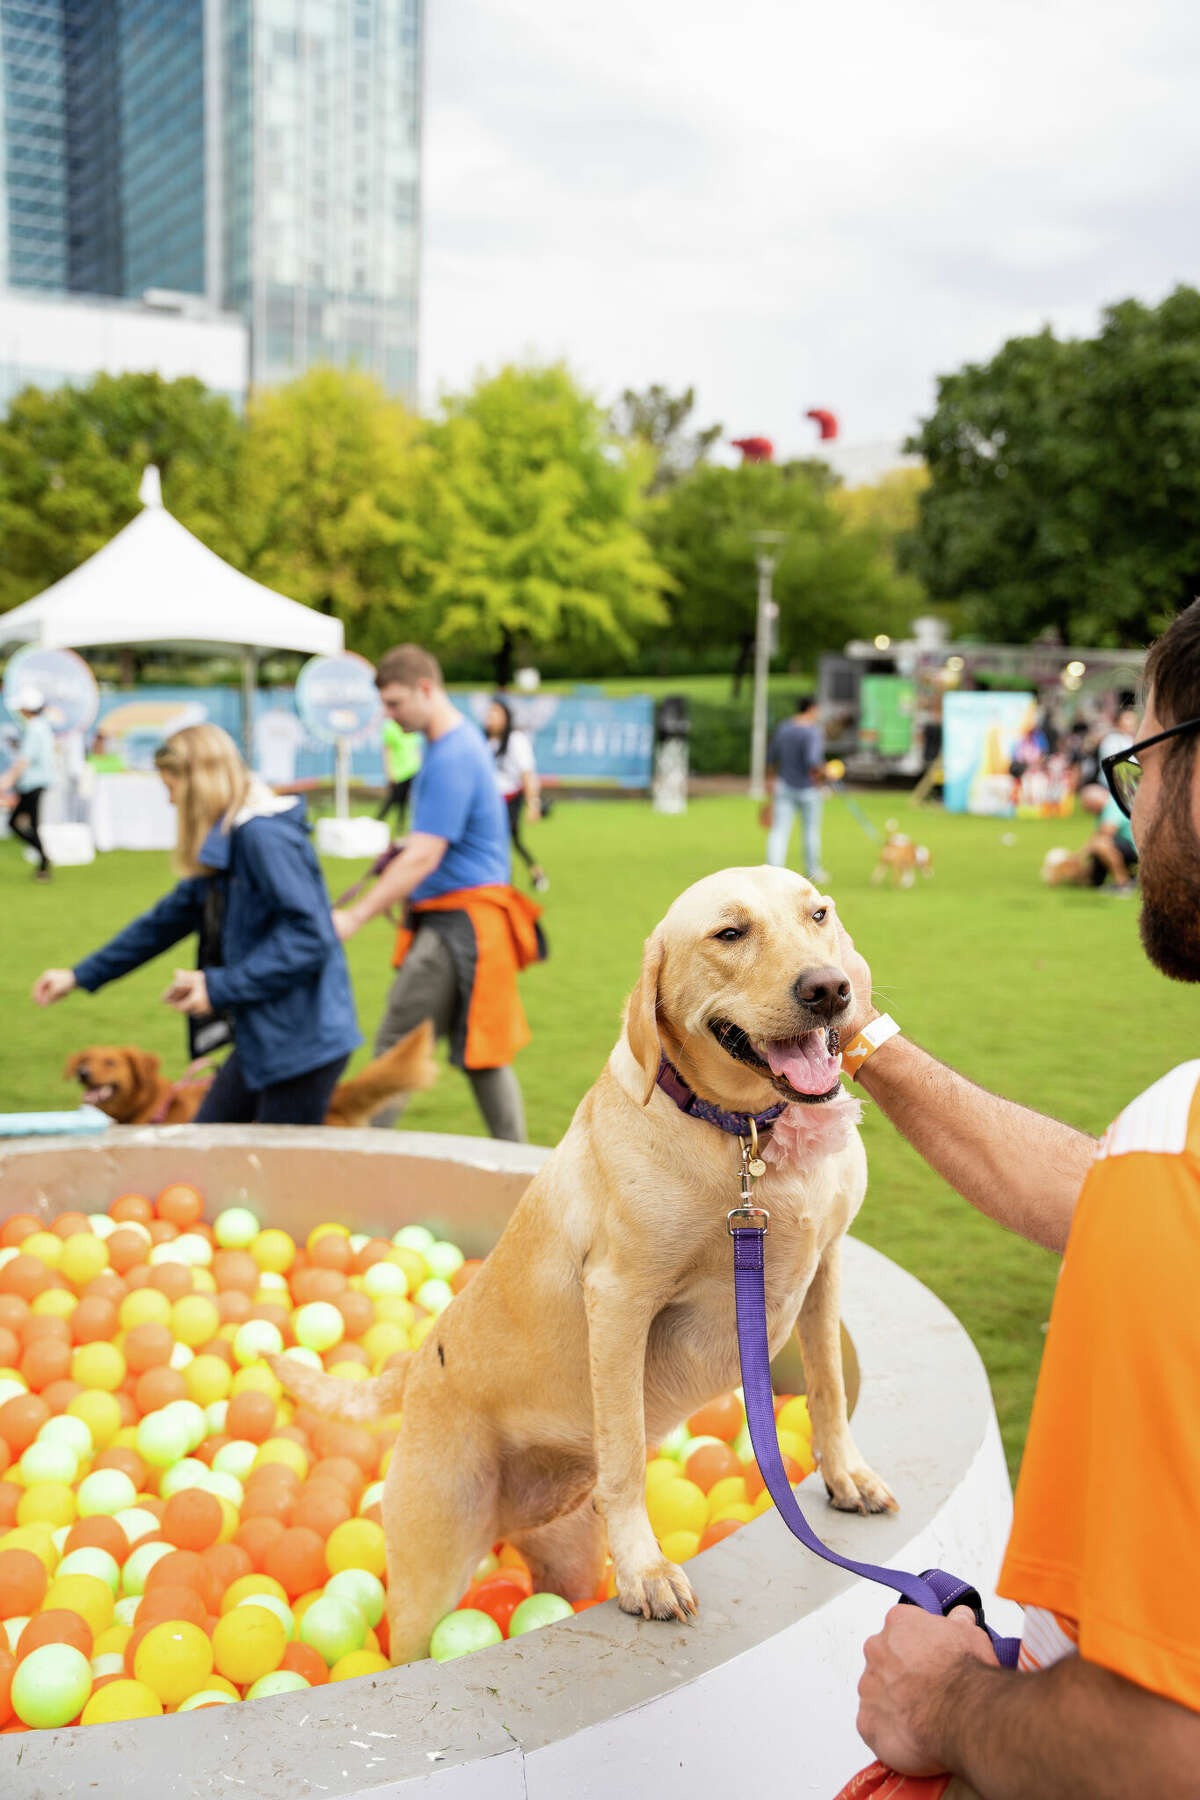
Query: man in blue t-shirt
x,y
457,846
795,770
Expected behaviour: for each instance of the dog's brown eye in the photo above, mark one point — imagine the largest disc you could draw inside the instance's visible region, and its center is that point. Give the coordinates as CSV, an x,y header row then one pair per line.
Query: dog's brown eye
x,y
730,935
820,916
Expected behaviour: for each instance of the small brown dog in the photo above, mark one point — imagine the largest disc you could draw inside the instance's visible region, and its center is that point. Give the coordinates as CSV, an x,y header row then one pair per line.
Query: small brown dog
x,y
901,859
128,1083
605,1314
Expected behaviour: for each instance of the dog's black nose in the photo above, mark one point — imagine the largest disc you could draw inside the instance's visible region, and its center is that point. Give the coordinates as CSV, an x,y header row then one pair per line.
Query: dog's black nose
x,y
825,992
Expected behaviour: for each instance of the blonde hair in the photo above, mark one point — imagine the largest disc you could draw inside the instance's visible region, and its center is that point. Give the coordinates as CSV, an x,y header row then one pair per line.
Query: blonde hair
x,y
214,786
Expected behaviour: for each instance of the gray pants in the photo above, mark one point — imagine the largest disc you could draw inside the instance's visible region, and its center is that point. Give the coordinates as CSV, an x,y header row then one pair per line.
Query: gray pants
x,y
426,987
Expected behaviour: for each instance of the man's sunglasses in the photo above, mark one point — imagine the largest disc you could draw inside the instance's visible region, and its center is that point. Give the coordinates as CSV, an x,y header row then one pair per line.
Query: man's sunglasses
x,y
1123,771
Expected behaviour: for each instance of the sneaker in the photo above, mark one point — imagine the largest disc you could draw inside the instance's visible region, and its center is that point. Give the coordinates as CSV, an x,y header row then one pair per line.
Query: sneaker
x,y
541,883
41,874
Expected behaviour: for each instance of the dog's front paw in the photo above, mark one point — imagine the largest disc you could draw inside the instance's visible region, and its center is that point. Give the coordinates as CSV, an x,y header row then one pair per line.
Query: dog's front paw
x,y
858,1489
661,1591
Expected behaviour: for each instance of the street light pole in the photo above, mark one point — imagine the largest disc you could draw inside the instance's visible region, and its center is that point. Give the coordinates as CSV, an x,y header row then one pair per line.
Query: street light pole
x,y
766,541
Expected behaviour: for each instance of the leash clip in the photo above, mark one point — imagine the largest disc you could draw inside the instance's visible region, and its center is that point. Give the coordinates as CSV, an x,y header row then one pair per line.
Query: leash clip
x,y
749,1218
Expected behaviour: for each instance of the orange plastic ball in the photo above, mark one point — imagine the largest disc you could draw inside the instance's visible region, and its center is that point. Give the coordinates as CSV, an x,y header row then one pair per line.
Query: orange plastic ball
x,y
172,1602
125,1248
158,1387
296,1560
306,1661
55,1626
710,1464
178,1568
317,1284
721,1418
192,1520
320,1506
331,1251
47,1359
10,1499
250,1415
342,1470
171,1279
16,1228
23,1583
179,1203
233,1306
131,1206
255,1536
93,1321
10,1348
25,1276
236,1269
99,1532
69,1224
147,1346
723,1528
225,1563
358,1311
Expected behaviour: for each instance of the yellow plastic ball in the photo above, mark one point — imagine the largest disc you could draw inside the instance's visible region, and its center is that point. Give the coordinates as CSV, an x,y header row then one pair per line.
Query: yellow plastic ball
x,y
733,1509
358,1662
100,1412
413,1264
722,1493
144,1306
121,1700
273,1250
112,1640
282,1450
83,1257
301,1605
48,1503
36,1537
54,1303
207,1378
384,1339
394,1309
320,1231
98,1365
258,1377
764,1503
680,1546
247,1585
677,1505
421,1331
204,1281
194,1320
799,1449
793,1415
45,1245
248,1642
356,1544
349,1371
86,1595
661,1468
174,1659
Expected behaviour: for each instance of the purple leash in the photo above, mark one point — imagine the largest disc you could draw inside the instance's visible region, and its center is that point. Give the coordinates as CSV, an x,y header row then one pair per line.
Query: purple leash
x,y
934,1590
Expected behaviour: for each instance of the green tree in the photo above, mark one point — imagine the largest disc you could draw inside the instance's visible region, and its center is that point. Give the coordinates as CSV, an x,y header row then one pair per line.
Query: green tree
x,y
530,527
660,420
71,461
1063,495
331,500
832,581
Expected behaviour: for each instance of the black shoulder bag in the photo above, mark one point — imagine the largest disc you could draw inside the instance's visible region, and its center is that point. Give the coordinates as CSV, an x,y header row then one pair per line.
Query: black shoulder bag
x,y
212,1030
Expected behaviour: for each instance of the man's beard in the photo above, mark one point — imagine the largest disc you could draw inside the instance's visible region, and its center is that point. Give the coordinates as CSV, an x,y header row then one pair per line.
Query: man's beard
x,y
1170,882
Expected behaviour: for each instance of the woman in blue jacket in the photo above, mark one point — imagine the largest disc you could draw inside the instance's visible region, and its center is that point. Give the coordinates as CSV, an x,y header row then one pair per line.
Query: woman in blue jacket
x,y
271,963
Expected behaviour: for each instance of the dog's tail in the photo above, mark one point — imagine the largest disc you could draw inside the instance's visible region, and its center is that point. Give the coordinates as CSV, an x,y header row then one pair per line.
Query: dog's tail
x,y
358,1402
408,1065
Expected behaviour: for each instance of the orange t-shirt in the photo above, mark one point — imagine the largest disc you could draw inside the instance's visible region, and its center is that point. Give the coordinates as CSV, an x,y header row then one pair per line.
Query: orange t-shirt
x,y
1105,1546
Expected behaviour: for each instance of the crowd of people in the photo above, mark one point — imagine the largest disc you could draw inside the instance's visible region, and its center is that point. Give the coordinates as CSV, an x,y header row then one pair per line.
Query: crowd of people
x,y
272,977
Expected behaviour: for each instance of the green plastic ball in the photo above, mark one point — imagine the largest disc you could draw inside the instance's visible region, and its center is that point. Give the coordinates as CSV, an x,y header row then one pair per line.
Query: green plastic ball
x,y
539,1610
90,1561
444,1259
461,1632
235,1458
272,1603
333,1627
319,1325
65,1428
413,1237
188,1472
161,1439
105,1491
362,1589
280,1681
192,1419
50,1686
139,1563
255,1339
48,1460
235,1228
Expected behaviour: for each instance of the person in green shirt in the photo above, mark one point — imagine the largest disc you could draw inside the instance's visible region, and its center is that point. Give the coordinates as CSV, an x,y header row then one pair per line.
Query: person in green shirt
x,y
401,760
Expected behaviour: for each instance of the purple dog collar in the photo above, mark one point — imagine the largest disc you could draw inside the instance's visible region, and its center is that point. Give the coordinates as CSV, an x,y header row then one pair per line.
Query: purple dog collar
x,y
737,1124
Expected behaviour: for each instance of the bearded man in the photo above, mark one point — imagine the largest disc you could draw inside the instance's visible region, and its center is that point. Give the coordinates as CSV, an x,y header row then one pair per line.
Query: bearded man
x,y
1103,1552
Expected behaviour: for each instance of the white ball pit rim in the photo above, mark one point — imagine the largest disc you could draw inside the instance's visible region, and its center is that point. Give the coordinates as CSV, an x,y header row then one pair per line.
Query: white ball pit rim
x,y
760,1689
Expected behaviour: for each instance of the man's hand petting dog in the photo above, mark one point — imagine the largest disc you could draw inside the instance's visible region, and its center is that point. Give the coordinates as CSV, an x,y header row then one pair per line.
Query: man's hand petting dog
x,y
52,985
188,993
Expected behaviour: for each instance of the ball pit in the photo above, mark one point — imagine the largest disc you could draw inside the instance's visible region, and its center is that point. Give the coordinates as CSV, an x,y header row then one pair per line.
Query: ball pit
x,y
278,1487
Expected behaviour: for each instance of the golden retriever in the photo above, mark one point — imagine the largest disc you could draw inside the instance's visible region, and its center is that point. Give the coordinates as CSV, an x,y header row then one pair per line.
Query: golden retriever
x,y
128,1083
605,1314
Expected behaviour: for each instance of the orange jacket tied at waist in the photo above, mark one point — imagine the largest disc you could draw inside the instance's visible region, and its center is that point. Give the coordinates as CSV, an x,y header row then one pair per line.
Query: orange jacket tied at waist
x,y
491,934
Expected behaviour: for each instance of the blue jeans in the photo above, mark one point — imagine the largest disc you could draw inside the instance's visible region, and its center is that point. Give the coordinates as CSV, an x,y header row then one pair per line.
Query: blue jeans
x,y
789,801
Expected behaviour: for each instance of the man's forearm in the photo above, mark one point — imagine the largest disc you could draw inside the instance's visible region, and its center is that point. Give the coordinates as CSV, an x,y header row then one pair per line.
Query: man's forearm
x,y
1069,1730
404,873
1015,1165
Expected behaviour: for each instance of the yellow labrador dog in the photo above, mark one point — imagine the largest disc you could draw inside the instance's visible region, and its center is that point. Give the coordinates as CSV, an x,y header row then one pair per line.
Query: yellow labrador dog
x,y
605,1314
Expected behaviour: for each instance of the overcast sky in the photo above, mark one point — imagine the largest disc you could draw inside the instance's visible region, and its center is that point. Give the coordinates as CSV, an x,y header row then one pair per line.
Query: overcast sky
x,y
791,205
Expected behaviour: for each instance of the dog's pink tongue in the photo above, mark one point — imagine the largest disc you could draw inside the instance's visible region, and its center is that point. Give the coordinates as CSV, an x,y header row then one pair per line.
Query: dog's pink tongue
x,y
805,1062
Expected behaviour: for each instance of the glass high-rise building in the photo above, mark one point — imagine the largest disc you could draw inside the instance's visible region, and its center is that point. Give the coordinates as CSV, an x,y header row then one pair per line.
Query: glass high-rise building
x,y
264,154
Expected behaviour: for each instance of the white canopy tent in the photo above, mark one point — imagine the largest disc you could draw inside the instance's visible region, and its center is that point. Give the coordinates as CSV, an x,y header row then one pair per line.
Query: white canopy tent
x,y
154,583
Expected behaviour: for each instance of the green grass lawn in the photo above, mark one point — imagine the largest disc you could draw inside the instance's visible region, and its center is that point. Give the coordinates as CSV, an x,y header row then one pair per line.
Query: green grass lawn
x,y
1042,994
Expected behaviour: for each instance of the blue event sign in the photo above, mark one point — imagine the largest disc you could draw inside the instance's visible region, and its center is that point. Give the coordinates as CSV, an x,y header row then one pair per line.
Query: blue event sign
x,y
584,740
64,681
337,698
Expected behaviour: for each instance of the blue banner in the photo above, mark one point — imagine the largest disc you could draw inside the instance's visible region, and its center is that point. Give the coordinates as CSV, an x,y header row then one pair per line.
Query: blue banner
x,y
581,741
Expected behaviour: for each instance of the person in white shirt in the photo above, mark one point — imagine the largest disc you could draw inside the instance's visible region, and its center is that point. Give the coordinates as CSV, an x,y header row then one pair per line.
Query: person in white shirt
x,y
517,779
31,774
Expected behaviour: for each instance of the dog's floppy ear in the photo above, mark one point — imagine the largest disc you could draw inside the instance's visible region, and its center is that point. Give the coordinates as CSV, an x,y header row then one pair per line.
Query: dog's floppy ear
x,y
144,1069
73,1064
641,1015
